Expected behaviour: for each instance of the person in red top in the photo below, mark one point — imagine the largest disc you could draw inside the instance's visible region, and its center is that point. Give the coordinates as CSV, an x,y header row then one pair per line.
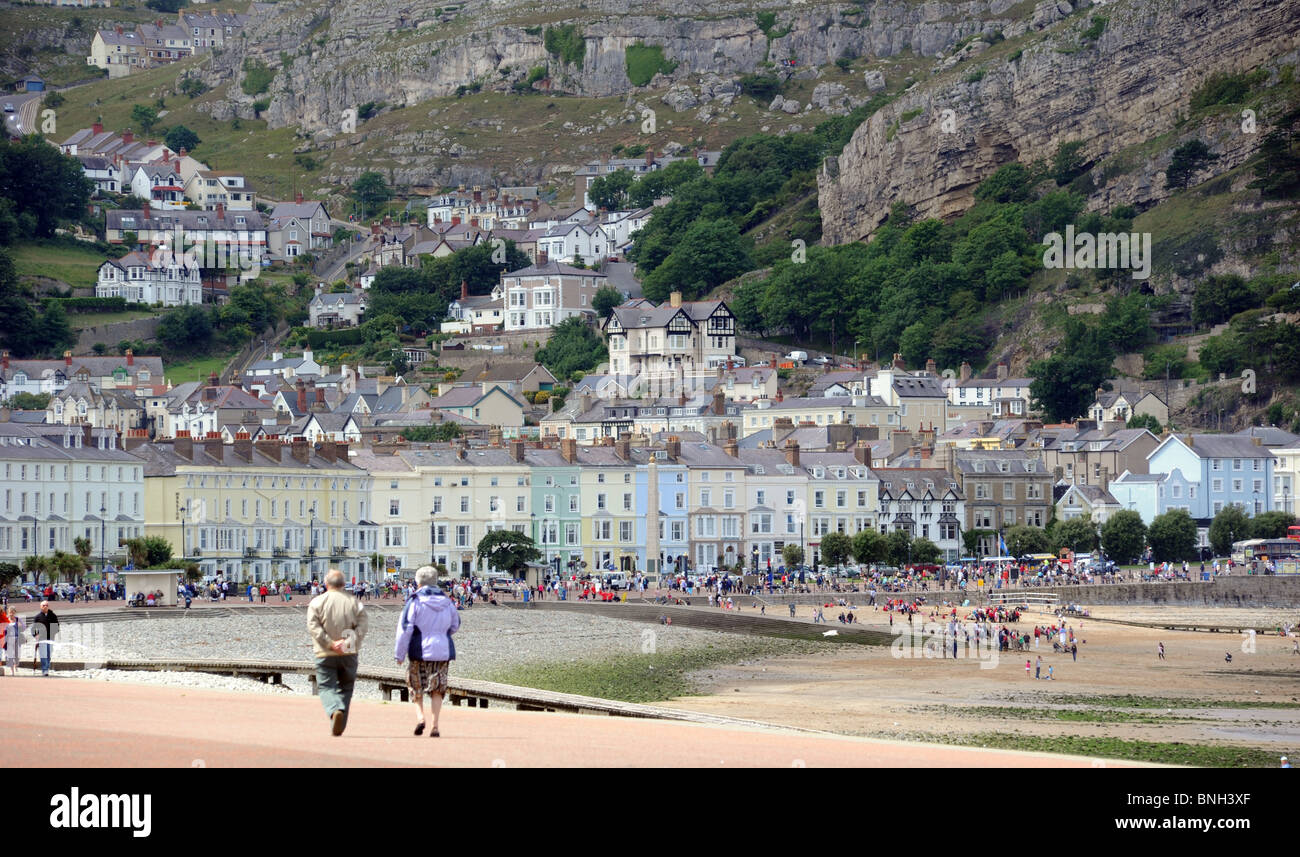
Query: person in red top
x,y
262,592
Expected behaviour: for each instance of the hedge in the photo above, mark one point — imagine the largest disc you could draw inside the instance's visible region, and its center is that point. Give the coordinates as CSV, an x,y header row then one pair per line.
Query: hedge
x,y
323,338
99,304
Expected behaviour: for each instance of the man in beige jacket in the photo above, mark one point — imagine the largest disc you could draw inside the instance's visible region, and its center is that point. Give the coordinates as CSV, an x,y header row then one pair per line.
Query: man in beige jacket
x,y
337,623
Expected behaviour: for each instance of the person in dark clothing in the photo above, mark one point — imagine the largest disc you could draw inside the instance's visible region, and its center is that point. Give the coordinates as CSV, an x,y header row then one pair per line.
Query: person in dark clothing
x,y
45,627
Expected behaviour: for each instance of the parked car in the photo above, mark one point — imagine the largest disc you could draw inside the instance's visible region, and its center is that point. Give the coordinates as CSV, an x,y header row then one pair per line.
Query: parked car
x,y
822,361
797,356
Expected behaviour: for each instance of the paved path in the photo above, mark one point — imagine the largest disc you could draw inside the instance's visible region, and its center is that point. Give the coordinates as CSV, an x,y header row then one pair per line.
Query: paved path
x,y
65,722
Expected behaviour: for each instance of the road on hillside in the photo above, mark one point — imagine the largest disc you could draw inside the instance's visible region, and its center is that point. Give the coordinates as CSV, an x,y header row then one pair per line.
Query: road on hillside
x,y
26,112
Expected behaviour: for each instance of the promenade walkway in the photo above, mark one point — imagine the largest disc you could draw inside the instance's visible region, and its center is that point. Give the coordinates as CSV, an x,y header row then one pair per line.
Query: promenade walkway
x,y
65,722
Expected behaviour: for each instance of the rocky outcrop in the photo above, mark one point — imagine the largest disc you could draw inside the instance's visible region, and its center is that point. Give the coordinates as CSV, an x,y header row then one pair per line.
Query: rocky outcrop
x,y
931,147
330,59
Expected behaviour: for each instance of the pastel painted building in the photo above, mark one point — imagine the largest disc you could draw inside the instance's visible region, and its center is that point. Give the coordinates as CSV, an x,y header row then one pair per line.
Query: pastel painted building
x,y
1208,472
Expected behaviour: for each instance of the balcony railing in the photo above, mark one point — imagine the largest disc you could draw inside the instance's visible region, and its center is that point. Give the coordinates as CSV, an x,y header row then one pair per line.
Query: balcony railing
x,y
251,552
279,552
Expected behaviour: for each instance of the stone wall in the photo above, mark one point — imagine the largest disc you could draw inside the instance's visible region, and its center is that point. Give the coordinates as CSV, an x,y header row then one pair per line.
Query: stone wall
x,y
114,332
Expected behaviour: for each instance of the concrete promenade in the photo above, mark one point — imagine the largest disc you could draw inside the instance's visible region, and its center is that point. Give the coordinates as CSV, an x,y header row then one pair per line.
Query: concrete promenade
x,y
64,722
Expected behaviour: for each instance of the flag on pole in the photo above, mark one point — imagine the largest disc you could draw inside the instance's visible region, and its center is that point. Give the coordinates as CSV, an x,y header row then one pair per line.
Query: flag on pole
x,y
1002,545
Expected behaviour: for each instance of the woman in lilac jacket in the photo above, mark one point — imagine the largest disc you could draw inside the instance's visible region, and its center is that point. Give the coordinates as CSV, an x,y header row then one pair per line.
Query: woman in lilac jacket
x,y
424,640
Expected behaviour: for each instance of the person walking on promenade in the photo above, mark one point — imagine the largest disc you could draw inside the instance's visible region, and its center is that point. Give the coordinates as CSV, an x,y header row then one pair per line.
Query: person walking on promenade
x,y
1160,650
1074,652
1038,667
14,640
45,625
424,640
337,623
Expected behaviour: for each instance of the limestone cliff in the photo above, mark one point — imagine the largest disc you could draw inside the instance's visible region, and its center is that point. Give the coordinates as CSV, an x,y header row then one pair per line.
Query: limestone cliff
x,y
1123,88
332,56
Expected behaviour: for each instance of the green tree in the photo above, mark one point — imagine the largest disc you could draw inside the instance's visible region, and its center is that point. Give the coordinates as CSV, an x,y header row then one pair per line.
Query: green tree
x,y
82,546
792,554
1172,537
1145,421
1077,534
28,401
149,551
508,551
1229,525
925,552
144,116
605,299
181,137
436,433
573,346
54,330
40,188
1068,163
1219,297
898,548
9,573
1023,539
610,191
836,547
1277,170
186,329
1187,160
869,547
971,540
1271,525
1123,536
707,255
371,191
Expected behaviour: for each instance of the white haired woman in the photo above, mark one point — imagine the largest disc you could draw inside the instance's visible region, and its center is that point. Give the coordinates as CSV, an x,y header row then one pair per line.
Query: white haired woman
x,y
424,639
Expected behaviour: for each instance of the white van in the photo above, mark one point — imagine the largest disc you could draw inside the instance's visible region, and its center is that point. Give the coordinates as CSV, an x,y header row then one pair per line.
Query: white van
x,y
797,356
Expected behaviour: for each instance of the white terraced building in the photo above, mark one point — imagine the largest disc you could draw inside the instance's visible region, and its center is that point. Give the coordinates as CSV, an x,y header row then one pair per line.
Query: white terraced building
x,y
166,278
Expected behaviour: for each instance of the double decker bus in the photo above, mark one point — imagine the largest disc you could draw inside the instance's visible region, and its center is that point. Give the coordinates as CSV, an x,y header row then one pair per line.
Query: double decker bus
x,y
1293,533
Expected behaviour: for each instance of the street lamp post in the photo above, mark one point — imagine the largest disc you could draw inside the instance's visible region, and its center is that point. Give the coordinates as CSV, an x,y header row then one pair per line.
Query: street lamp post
x,y
102,513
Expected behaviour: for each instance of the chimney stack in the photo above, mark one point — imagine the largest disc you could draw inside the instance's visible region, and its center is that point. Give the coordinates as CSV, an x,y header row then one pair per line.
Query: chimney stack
x,y
719,403
964,374
135,438
302,396
244,445
1105,479
144,212
675,299
494,436
128,137
569,449
623,447
130,357
297,197
931,367
325,450
862,453
898,363
792,452
517,450
464,290
674,447
67,358
212,445
183,445
97,129
1002,372
270,447
731,447
301,450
